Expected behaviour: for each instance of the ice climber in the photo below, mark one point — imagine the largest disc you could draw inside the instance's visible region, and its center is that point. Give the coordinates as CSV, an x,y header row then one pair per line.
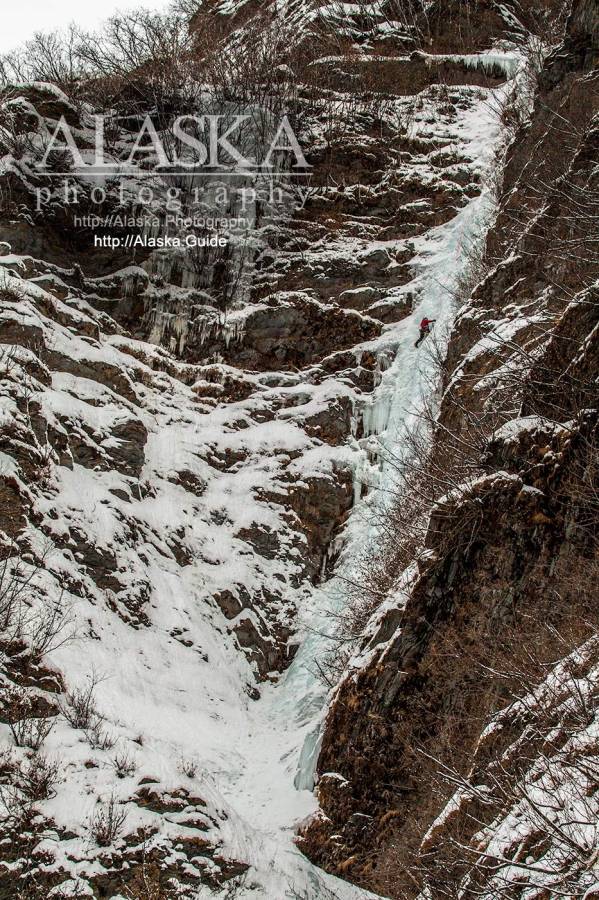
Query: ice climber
x,y
425,328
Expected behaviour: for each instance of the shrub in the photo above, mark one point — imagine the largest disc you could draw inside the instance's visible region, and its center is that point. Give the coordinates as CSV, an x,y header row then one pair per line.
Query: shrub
x,y
146,884
80,710
124,765
98,737
106,823
188,766
15,583
38,777
48,628
31,732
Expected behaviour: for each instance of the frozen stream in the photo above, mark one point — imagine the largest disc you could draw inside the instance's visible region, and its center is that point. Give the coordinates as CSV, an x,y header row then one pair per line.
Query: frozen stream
x,y
277,742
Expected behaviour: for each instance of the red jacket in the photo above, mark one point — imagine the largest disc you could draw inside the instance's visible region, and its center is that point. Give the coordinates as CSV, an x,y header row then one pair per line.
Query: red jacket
x,y
425,323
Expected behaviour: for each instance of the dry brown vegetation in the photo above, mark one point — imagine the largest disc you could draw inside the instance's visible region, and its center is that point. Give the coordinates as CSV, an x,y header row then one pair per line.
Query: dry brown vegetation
x,y
107,822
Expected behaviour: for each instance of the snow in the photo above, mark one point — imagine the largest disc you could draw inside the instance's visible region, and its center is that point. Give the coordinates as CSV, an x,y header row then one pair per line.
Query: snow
x,y
550,807
506,61
292,711
436,273
510,431
164,699
47,88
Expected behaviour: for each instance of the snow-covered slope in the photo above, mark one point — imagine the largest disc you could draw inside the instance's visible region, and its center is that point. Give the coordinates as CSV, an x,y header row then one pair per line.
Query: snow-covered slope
x,y
173,517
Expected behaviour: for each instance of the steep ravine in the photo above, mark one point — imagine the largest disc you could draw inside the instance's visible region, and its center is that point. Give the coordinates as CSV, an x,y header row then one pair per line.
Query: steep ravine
x,y
450,761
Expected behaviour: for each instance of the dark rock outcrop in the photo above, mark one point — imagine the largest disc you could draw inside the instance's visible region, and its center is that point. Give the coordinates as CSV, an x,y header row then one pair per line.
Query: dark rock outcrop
x,y
413,777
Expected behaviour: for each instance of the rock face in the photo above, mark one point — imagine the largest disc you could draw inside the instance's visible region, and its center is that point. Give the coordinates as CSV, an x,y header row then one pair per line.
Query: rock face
x,y
496,552
176,469
445,742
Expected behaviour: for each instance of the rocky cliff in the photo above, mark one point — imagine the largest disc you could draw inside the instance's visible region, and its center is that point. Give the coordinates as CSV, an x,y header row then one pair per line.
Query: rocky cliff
x,y
452,758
